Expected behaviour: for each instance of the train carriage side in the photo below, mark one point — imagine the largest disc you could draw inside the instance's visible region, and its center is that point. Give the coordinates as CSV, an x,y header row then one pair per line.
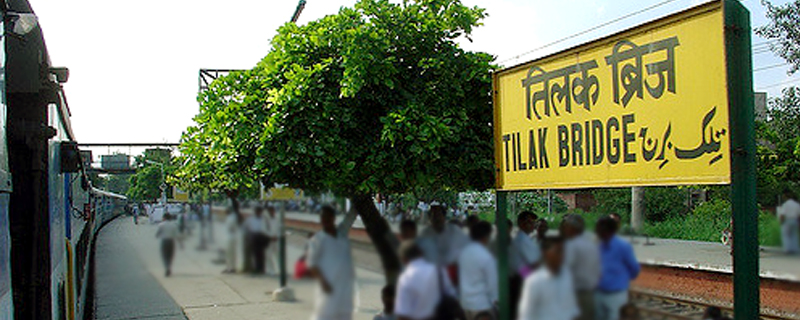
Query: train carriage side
x,y
6,295
46,236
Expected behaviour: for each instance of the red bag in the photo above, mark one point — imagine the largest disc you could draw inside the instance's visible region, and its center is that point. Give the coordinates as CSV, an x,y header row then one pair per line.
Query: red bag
x,y
300,269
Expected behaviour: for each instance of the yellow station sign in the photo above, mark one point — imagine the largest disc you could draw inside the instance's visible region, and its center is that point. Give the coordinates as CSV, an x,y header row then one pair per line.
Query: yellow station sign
x,y
180,195
647,106
274,194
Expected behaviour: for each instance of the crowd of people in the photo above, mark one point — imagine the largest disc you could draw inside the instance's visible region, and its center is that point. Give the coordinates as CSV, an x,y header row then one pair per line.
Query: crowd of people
x,y
450,271
257,236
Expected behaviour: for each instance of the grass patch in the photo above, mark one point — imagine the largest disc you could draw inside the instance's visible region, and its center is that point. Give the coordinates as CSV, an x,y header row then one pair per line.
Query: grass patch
x,y
708,220
704,223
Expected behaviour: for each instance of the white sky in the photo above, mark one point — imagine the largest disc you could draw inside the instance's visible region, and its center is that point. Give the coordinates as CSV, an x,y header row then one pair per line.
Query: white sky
x,y
134,64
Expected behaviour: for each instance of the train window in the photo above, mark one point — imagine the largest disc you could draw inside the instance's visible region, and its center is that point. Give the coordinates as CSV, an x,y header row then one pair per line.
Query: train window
x,y
70,156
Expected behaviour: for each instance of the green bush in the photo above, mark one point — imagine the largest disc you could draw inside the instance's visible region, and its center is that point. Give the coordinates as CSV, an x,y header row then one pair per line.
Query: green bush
x,y
707,222
769,229
536,202
614,200
662,203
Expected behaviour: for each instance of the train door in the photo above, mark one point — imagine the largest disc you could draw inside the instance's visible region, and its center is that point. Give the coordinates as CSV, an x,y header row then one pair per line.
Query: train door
x,y
59,266
6,296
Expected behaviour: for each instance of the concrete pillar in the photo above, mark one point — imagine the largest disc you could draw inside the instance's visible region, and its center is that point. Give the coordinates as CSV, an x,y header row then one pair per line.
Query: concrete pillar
x,y
637,209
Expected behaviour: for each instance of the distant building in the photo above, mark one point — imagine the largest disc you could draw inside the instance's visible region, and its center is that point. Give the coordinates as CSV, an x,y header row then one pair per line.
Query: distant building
x,y
760,106
115,162
583,199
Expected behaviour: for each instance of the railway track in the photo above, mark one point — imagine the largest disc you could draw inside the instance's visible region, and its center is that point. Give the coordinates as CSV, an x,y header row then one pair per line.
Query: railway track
x,y
654,306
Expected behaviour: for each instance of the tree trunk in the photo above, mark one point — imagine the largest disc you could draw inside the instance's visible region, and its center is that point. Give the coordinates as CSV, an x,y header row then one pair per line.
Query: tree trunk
x,y
382,237
234,201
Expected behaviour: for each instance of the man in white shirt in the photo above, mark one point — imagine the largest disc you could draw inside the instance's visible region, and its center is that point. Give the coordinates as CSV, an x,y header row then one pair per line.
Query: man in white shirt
x,y
419,286
232,226
331,263
442,242
477,273
257,238
789,216
273,228
582,258
548,293
523,252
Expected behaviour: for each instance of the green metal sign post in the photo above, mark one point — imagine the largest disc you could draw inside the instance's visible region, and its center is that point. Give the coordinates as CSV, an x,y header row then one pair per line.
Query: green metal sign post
x,y
743,165
282,248
500,219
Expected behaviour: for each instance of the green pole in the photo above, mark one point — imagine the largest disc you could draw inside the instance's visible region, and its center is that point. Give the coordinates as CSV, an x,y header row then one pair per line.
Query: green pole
x,y
502,255
282,249
743,169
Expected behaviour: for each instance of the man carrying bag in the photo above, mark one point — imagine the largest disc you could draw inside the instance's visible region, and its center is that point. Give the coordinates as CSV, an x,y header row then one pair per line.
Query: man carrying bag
x,y
424,292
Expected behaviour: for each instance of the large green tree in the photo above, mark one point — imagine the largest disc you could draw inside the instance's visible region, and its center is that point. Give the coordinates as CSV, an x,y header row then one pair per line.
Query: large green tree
x,y
779,147
379,98
118,183
783,30
779,134
218,152
145,184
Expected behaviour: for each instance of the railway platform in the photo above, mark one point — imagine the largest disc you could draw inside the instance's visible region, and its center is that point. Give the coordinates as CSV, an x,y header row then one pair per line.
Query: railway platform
x,y
123,285
197,289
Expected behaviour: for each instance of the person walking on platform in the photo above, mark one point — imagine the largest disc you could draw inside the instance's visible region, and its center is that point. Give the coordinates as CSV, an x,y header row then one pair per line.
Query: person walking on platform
x,y
421,285
256,236
273,228
618,267
477,273
135,211
331,263
582,258
548,293
168,232
524,253
232,225
789,217
442,242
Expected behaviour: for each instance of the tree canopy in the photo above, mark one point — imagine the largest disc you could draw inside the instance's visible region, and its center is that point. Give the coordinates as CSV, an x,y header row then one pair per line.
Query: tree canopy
x,y
218,152
782,28
145,183
779,147
378,98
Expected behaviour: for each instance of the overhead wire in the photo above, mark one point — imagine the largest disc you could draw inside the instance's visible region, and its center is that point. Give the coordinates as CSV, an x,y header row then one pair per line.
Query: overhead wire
x,y
779,84
770,67
602,25
764,44
758,48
